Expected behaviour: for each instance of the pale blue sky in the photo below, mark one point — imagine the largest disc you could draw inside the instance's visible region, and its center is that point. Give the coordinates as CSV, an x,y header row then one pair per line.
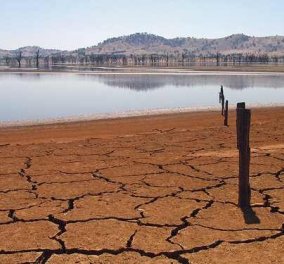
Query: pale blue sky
x,y
71,24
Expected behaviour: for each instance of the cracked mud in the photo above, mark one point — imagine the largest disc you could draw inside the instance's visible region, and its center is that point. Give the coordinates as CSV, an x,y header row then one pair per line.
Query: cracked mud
x,y
141,190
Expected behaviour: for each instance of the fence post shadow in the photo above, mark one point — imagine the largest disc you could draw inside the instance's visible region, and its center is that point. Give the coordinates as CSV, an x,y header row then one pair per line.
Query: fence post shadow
x,y
250,216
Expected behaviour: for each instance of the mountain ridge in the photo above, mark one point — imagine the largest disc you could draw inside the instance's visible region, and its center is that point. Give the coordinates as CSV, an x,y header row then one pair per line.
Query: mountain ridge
x,y
144,43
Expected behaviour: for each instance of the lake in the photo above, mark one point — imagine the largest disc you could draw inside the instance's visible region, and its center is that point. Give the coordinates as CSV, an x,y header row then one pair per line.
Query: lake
x,y
41,96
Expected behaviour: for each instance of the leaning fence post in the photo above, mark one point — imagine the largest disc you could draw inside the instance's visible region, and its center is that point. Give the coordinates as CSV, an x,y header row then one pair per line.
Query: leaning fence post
x,y
226,113
243,130
223,104
221,94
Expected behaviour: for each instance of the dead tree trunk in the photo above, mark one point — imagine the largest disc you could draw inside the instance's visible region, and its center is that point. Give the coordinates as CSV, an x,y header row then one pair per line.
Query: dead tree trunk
x,y
19,58
37,58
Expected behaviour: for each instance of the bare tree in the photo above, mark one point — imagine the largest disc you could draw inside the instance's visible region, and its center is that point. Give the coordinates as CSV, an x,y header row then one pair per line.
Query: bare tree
x,y
183,56
7,60
19,57
167,59
217,59
37,58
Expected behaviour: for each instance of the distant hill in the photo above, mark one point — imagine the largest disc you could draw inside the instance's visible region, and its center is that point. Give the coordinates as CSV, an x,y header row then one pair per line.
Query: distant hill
x,y
143,43
29,51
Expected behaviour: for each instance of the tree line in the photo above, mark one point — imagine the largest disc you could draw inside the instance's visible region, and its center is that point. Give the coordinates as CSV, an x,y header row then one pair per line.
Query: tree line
x,y
152,60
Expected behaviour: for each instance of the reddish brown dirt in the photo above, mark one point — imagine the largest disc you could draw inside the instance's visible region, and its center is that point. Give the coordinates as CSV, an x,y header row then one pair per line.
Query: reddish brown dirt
x,y
160,189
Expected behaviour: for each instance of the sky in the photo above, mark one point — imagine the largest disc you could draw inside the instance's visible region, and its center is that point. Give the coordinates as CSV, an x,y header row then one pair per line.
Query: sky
x,y
72,24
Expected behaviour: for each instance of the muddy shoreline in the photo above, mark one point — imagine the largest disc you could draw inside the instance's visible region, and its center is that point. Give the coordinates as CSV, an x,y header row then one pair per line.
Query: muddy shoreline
x,y
164,119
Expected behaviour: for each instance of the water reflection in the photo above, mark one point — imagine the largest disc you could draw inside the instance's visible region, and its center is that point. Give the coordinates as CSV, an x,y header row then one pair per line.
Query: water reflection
x,y
148,82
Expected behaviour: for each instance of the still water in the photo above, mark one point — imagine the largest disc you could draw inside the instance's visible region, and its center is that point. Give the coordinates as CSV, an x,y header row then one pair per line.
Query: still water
x,y
33,96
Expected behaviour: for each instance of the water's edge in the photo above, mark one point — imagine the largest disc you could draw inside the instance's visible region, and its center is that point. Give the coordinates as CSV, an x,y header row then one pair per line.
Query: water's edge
x,y
120,115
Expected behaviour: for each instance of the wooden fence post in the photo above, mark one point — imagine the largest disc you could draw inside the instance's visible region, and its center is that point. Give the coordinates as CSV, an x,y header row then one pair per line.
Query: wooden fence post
x,y
221,94
226,113
243,130
241,105
223,104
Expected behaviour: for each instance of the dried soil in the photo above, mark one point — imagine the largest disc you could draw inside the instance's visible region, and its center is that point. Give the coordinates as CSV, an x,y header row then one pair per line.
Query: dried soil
x,y
159,189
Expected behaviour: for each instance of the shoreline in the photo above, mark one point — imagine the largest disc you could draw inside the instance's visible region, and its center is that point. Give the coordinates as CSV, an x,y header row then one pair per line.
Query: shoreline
x,y
124,127
122,115
154,71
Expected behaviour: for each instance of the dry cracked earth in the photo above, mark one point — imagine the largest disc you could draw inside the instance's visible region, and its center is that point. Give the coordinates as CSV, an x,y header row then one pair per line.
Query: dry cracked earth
x,y
161,196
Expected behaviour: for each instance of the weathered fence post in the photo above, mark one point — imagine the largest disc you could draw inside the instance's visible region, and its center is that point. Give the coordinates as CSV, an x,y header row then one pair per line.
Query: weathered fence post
x,y
226,113
223,104
221,94
243,130
222,98
239,106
